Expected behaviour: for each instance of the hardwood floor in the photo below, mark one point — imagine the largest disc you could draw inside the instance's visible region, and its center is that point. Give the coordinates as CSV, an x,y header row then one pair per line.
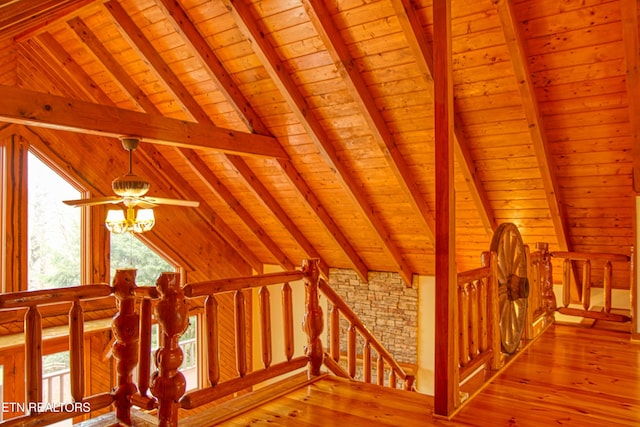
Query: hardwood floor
x,y
570,376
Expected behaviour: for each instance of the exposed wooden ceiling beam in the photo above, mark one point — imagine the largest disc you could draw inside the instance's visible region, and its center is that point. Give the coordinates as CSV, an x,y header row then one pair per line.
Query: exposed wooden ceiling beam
x,y
297,102
247,113
173,84
360,93
534,118
43,110
19,17
414,32
168,173
629,12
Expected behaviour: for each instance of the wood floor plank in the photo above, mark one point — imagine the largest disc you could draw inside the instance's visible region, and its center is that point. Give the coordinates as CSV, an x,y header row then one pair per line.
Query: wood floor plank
x,y
570,376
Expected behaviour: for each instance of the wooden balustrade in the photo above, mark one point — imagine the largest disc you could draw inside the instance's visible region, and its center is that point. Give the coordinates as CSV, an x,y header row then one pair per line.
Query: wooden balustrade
x,y
32,301
132,340
384,359
478,318
588,260
245,379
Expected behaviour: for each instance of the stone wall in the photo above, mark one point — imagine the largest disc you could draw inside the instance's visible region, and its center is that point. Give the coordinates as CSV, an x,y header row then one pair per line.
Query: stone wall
x,y
386,306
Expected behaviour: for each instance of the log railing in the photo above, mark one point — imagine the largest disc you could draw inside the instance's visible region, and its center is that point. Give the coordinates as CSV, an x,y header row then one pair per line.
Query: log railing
x,y
478,318
480,354
36,412
245,379
384,361
590,261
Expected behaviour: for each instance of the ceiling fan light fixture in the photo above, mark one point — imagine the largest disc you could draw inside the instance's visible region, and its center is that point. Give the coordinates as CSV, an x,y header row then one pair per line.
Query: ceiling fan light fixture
x,y
136,220
145,220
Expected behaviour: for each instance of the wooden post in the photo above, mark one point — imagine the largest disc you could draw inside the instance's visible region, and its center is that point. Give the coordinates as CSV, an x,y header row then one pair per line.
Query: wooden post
x,y
167,383
446,366
494,312
14,251
546,280
313,320
125,347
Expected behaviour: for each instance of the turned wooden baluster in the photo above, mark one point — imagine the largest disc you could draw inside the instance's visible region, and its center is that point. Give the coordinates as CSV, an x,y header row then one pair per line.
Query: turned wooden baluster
x,y
144,368
287,319
265,317
483,311
566,282
380,370
241,333
474,319
366,362
463,324
313,319
351,350
76,350
546,279
334,332
33,355
125,347
586,284
606,286
213,345
167,383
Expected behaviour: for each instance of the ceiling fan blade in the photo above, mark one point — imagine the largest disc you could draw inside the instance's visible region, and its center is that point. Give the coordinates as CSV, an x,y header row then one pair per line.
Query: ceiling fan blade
x,y
94,201
165,201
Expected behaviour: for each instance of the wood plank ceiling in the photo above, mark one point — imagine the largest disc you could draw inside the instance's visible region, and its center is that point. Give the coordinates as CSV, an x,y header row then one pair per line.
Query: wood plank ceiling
x,y
305,127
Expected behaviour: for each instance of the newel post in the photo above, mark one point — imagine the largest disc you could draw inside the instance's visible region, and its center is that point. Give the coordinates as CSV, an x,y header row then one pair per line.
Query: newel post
x,y
167,383
125,346
546,280
313,320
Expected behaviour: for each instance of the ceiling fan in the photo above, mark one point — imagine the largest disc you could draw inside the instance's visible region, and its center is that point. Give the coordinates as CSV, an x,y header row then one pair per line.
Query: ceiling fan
x,y
131,189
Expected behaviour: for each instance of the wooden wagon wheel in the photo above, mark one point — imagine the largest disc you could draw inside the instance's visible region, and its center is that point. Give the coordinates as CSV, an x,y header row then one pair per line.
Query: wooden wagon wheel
x,y
513,285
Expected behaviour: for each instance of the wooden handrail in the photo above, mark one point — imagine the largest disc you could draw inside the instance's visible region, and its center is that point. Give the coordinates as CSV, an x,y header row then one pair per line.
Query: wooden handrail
x,y
213,287
593,256
588,259
357,325
26,299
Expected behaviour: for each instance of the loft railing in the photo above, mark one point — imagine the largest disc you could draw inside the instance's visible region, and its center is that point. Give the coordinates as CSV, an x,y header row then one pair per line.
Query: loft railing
x,y
32,301
384,361
168,304
591,261
478,318
479,349
167,384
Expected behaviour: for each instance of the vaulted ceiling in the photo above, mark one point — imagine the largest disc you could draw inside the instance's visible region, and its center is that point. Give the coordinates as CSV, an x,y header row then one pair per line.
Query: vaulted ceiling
x,y
305,128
